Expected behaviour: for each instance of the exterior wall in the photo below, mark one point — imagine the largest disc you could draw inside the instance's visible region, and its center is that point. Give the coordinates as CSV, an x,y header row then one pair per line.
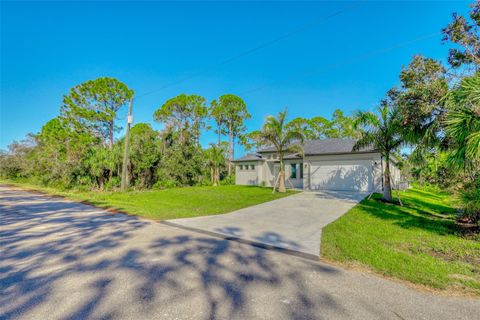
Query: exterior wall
x,y
395,175
248,176
270,172
265,172
296,183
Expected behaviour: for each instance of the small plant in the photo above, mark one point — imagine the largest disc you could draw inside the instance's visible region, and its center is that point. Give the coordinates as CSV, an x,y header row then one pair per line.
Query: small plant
x,y
469,199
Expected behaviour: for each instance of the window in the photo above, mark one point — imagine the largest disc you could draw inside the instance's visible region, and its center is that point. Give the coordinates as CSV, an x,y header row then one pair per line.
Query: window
x,y
301,170
252,167
293,175
240,167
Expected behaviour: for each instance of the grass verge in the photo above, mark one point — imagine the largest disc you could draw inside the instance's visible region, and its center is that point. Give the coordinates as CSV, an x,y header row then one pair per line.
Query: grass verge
x,y
418,242
170,203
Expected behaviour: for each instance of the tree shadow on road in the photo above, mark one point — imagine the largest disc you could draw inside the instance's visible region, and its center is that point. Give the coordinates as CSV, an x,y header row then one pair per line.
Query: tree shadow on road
x,y
66,260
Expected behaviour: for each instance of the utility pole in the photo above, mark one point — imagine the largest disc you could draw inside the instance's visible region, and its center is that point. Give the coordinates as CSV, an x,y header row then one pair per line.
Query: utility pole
x,y
124,185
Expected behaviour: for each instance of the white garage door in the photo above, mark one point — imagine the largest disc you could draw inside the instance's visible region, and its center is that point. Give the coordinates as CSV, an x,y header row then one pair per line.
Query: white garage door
x,y
346,175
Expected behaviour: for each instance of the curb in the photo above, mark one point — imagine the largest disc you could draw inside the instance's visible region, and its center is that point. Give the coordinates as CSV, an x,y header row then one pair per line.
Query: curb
x,y
257,244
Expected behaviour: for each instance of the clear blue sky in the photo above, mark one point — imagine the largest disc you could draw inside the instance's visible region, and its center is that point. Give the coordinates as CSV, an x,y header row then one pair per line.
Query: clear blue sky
x,y
347,61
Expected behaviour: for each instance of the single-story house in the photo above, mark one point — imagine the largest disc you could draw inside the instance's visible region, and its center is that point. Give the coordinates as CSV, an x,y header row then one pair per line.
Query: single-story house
x,y
329,164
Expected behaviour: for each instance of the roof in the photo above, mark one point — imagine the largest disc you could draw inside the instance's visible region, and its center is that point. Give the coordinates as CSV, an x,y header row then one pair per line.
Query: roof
x,y
250,157
326,146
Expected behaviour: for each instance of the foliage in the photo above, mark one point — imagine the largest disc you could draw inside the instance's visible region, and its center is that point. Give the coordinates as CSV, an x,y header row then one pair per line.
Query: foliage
x,y
230,113
418,242
145,155
284,138
182,163
340,126
215,156
381,130
60,153
463,122
184,113
422,105
14,161
469,199
436,171
465,34
93,105
462,125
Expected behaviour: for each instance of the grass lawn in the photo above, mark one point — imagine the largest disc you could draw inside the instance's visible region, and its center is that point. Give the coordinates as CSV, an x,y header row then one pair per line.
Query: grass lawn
x,y
172,203
418,242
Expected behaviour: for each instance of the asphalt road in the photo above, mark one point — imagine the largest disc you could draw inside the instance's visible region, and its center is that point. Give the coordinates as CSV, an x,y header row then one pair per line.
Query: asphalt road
x,y
64,260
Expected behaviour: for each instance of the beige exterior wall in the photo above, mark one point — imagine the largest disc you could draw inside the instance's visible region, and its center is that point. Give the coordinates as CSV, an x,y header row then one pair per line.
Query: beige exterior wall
x,y
245,175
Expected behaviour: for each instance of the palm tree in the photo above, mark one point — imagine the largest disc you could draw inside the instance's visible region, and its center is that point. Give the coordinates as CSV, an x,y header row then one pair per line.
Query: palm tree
x,y
216,160
284,138
462,128
383,131
462,122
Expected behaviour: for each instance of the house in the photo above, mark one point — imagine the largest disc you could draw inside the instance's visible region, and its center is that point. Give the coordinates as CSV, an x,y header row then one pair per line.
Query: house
x,y
329,164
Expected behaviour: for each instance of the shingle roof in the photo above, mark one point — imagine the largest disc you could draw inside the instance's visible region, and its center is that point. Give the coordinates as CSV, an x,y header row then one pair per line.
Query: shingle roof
x,y
250,157
326,146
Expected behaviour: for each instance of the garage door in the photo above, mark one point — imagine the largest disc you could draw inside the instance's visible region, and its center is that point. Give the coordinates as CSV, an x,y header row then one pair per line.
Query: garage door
x,y
346,175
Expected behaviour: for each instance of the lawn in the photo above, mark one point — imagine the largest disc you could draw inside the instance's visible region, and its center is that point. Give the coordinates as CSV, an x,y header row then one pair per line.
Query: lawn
x,y
172,203
418,242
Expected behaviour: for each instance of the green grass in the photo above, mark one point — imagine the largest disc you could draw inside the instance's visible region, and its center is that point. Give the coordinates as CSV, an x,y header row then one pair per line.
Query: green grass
x,y
418,242
171,203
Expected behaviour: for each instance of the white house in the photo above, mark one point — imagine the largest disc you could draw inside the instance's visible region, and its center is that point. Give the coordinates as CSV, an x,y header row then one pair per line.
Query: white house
x,y
328,164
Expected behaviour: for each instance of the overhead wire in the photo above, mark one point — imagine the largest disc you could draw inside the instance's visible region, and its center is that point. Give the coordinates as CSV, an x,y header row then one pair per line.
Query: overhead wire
x,y
250,51
349,61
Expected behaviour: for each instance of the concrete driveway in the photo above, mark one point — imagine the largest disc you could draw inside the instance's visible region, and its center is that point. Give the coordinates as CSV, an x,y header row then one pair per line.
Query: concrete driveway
x,y
293,224
66,260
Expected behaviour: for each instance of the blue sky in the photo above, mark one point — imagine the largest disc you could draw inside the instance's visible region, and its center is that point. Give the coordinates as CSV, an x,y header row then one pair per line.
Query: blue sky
x,y
347,61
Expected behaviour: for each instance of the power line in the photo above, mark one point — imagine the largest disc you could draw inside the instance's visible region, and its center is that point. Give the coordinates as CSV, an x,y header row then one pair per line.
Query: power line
x,y
365,56
257,48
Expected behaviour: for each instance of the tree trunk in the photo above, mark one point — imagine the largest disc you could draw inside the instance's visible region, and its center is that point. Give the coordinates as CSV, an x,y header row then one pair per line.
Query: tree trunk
x,y
281,183
387,189
230,151
212,176
110,133
217,176
219,135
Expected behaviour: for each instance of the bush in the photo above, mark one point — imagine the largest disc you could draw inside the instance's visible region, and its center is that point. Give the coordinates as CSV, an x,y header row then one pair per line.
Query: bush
x,y
469,199
165,184
113,183
228,180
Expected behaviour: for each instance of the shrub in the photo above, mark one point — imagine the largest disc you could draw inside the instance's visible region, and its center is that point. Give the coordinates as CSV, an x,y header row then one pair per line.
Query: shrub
x,y
228,180
165,184
113,183
469,199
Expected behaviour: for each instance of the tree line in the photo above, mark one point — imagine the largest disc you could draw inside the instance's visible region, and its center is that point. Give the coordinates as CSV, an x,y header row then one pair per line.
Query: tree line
x,y
78,148
434,111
